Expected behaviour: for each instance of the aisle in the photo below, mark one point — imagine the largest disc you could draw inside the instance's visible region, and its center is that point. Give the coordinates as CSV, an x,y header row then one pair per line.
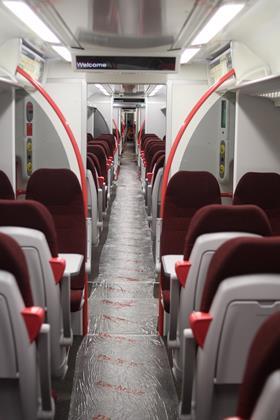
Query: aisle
x,y
122,370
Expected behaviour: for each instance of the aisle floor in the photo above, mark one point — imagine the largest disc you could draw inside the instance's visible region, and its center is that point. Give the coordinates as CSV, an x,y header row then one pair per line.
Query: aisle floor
x,y
122,369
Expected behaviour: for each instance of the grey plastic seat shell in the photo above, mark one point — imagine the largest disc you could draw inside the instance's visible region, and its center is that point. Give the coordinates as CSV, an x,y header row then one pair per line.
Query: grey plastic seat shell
x,y
93,205
19,373
268,406
46,293
190,296
240,306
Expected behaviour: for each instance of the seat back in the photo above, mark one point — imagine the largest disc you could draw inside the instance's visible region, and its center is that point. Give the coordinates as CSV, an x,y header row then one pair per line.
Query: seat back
x,y
242,289
59,190
263,190
6,189
98,151
187,191
262,362
210,227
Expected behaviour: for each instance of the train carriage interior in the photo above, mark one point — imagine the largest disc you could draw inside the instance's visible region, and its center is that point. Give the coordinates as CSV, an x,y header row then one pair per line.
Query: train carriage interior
x,y
139,210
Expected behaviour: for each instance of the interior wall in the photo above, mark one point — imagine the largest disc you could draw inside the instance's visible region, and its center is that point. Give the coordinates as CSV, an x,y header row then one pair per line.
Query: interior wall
x,y
257,145
155,120
202,151
104,104
7,130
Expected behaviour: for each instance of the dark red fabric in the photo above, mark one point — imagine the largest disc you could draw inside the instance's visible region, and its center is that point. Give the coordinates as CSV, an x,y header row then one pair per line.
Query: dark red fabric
x,y
6,189
59,190
157,155
104,144
98,151
159,164
76,299
237,257
91,167
95,160
263,359
146,137
263,190
30,214
13,260
220,218
187,191
152,151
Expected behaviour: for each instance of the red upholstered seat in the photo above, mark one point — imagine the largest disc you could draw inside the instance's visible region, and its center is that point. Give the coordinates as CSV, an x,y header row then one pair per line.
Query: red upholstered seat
x,y
95,160
104,144
221,218
59,190
30,214
13,260
263,359
92,168
187,191
6,189
263,190
238,257
151,153
98,151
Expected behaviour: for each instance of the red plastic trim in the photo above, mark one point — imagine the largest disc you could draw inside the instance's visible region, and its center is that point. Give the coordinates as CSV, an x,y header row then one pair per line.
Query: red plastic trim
x,y
227,195
20,192
187,121
78,157
101,181
199,323
58,266
149,177
34,317
182,269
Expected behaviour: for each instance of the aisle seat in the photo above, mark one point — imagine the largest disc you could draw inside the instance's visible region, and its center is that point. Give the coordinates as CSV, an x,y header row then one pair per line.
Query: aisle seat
x,y
98,151
241,290
260,388
100,185
263,190
157,162
93,206
6,189
209,228
32,226
25,383
187,191
59,190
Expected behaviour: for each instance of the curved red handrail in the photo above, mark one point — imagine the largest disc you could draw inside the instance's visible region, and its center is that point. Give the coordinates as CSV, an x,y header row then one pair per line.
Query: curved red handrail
x,y
73,141
182,130
68,130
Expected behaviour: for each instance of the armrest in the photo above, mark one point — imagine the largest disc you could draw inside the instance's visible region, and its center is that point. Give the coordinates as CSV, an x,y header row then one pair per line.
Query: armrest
x,y
199,323
182,269
157,248
172,340
34,317
58,266
43,352
73,266
189,353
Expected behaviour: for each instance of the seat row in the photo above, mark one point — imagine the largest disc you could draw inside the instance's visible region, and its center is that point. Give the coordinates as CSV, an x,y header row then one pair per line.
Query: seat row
x,y
103,156
219,278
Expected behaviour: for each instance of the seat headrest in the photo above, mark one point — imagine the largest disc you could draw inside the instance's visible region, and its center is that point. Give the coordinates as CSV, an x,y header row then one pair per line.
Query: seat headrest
x,y
190,190
221,218
29,214
6,189
13,260
53,187
263,359
261,189
237,257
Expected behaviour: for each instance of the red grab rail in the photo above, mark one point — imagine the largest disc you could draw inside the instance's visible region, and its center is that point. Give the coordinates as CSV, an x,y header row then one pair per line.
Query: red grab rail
x,y
187,121
68,130
73,141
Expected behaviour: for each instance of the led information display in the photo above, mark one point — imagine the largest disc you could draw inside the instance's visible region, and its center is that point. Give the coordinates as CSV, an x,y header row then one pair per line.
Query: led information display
x,y
85,62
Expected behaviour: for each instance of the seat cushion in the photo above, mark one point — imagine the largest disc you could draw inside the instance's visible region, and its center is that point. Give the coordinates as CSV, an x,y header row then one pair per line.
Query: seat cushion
x,y
6,189
76,300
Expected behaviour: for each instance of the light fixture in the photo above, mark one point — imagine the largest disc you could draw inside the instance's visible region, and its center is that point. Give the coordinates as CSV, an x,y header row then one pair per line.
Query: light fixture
x,y
102,89
218,21
188,54
156,90
63,52
26,15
